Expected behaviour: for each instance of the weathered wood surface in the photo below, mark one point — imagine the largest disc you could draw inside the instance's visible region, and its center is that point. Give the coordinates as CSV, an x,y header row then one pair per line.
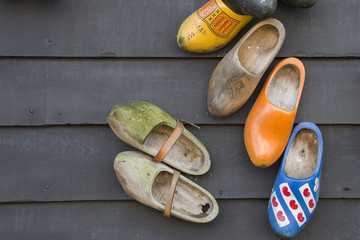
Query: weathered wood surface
x,y
235,68
78,91
238,219
148,28
76,163
67,62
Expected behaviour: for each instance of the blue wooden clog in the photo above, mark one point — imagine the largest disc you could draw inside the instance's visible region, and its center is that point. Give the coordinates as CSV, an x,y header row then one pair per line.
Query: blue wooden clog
x,y
296,190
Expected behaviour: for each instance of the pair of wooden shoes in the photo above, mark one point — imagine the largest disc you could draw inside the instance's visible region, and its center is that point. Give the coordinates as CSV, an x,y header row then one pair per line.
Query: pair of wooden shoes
x,y
147,177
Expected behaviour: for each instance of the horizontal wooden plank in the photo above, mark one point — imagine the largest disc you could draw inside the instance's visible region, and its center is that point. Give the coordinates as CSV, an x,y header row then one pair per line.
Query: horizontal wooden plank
x,y
78,91
333,219
75,163
148,28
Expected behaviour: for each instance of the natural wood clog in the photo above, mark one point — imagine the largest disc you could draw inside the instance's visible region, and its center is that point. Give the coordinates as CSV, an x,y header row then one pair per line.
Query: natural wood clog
x,y
147,128
269,123
295,194
256,8
300,3
153,184
238,73
211,27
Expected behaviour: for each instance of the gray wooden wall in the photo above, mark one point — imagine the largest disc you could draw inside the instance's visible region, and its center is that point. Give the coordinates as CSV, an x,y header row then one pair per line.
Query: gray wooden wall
x,y
64,63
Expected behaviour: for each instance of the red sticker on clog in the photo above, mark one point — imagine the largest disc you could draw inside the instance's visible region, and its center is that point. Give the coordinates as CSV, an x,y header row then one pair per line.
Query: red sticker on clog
x,y
274,202
308,197
292,203
306,192
286,192
311,203
280,216
278,211
300,217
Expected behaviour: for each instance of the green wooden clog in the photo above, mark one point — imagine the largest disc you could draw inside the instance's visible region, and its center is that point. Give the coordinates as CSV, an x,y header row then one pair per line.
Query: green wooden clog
x,y
150,182
146,127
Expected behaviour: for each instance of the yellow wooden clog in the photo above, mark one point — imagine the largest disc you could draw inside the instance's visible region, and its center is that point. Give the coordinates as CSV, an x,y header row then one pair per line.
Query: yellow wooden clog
x,y
211,27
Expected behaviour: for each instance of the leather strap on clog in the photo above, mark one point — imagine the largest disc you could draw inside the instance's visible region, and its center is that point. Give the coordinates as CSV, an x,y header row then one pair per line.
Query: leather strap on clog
x,y
170,194
170,142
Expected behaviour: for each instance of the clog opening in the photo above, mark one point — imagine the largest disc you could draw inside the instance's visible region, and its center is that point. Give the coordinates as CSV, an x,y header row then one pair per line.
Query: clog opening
x,y
302,157
257,50
188,200
283,90
184,153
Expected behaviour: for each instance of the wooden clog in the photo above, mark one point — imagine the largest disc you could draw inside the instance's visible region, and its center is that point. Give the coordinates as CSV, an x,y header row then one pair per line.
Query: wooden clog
x,y
211,27
148,128
256,8
295,194
158,186
238,73
269,123
300,3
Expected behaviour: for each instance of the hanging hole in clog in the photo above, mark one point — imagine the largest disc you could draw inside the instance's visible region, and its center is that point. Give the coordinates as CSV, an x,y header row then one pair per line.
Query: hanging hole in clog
x,y
187,199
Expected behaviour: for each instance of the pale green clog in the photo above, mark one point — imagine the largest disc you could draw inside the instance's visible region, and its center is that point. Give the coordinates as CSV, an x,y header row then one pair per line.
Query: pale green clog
x,y
146,127
148,182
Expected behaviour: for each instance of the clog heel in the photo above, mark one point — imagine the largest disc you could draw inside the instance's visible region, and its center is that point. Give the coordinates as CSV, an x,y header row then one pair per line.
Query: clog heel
x,y
269,123
158,186
295,194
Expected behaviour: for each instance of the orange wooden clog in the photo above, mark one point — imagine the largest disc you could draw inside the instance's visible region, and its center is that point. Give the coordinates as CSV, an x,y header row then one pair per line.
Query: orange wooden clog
x,y
269,123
